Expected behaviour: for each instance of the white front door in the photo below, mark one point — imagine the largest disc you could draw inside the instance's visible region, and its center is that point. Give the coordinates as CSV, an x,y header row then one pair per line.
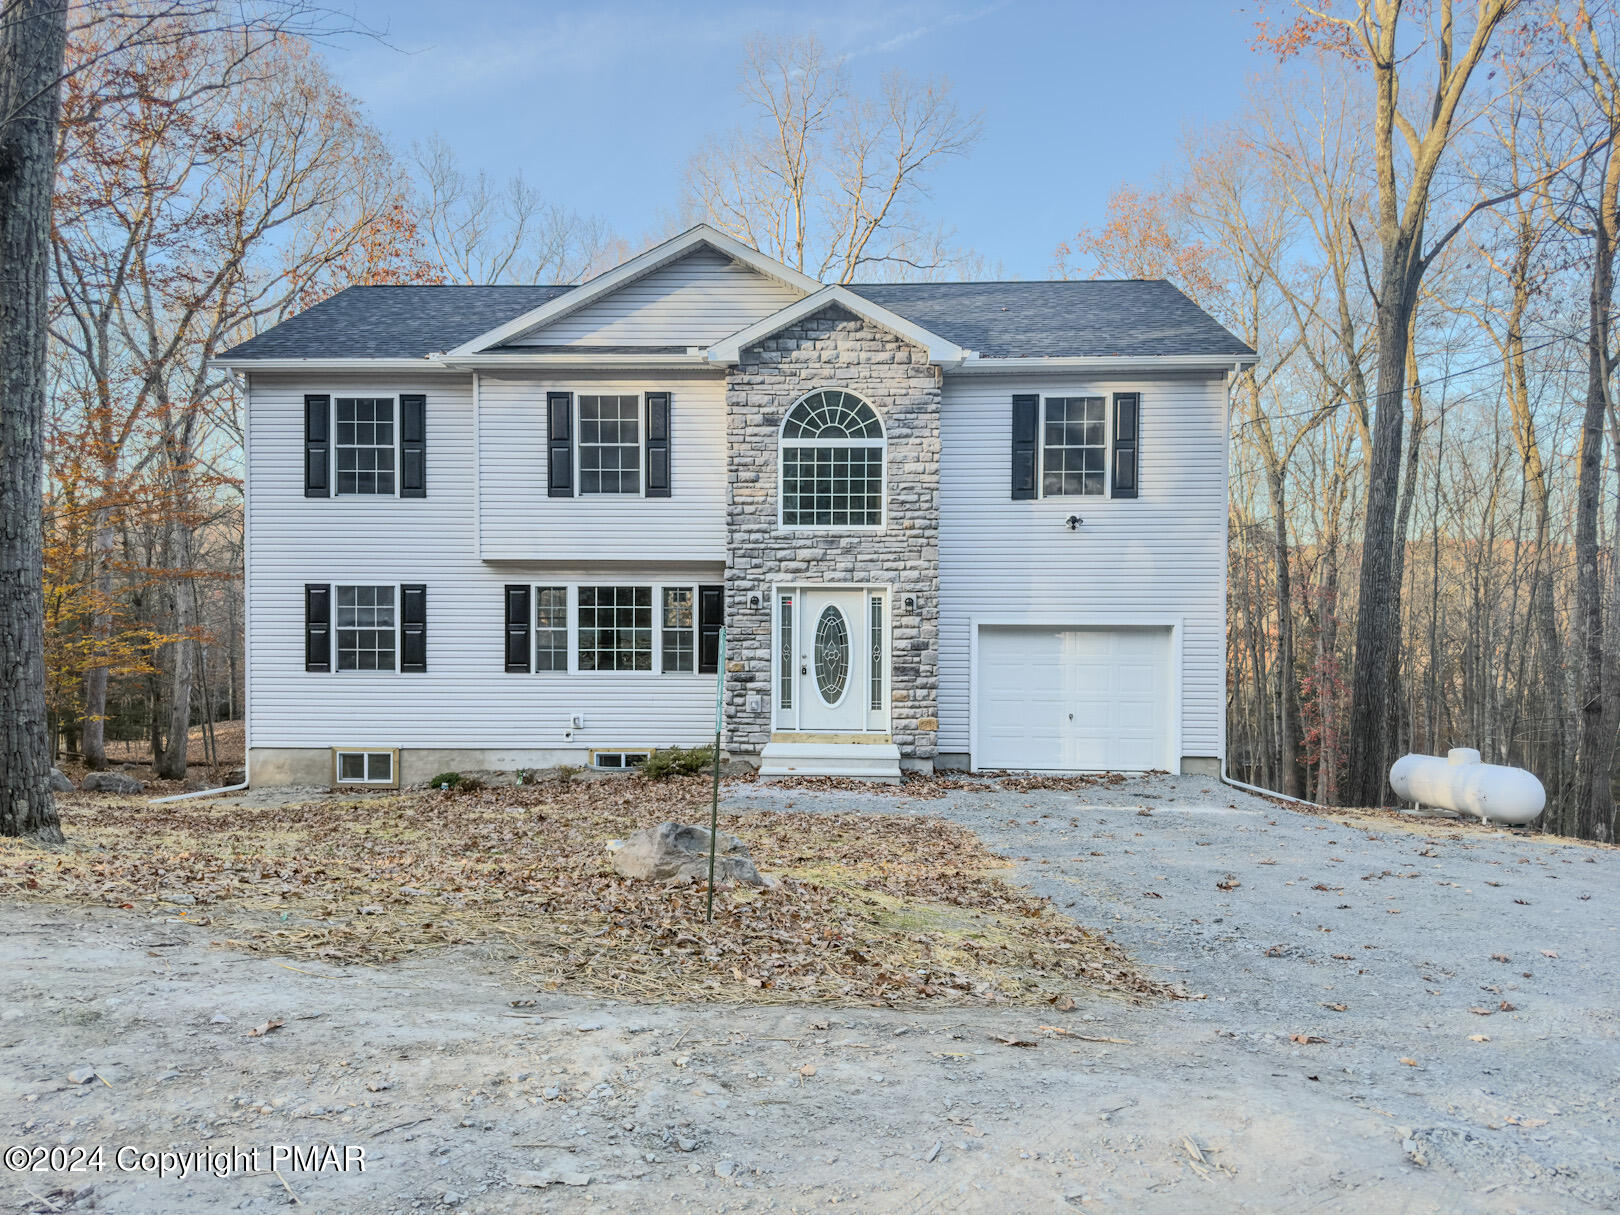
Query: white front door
x,y
833,660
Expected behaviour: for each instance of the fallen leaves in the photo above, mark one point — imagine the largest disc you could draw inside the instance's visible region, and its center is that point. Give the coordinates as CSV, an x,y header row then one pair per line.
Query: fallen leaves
x,y
1479,1037
1549,953
1337,1007
1011,1040
1408,1062
1229,882
1305,1039
259,1031
871,908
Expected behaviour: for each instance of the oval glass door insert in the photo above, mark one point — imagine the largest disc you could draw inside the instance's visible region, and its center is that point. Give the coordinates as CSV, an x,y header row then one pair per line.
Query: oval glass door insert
x,y
832,654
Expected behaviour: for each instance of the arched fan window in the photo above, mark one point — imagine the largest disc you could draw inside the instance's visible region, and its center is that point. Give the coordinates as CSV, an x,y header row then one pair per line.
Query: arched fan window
x,y
832,462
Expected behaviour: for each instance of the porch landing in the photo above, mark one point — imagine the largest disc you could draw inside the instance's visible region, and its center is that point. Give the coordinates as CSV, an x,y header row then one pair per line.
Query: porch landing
x,y
863,756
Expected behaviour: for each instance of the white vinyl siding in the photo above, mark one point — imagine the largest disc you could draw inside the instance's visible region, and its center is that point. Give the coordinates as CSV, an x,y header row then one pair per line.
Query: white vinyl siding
x,y
696,300
518,521
1160,555
465,698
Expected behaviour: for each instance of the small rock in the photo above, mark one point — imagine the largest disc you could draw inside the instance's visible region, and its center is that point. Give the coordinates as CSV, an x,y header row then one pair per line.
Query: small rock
x,y
588,1027
574,1178
724,1168
111,782
553,1093
451,1198
372,911
676,851
684,1144
177,896
694,1168
59,782
219,1019
81,1075
933,1152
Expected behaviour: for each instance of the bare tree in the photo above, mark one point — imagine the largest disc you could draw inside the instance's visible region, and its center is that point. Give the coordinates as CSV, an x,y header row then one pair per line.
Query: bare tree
x,y
829,181
33,34
479,232
1408,151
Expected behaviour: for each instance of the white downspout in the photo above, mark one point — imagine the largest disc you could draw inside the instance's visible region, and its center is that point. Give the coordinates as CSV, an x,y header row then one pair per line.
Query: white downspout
x,y
1231,381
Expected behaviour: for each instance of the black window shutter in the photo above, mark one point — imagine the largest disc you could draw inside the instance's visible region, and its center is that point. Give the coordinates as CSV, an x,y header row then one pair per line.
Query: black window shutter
x,y
413,627
317,627
658,444
1026,429
711,615
559,446
518,617
1127,426
317,419
412,446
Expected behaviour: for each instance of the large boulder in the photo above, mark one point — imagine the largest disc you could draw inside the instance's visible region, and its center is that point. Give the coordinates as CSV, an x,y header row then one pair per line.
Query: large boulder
x,y
676,852
111,782
59,782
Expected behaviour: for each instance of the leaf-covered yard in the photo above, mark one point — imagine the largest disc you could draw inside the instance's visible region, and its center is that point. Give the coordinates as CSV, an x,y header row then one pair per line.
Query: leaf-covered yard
x,y
870,908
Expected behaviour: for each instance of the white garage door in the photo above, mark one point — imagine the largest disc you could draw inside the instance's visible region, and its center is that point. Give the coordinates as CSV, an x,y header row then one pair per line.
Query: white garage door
x,y
1073,699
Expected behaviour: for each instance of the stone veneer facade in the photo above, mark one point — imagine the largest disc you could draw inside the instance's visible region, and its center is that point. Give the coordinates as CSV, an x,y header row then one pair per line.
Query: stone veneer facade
x,y
834,349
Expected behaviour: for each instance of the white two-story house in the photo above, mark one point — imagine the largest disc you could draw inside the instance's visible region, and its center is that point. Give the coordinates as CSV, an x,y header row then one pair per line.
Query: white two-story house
x,y
963,525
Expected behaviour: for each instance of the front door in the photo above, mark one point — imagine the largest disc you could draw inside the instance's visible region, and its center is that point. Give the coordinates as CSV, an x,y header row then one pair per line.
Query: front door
x,y
834,664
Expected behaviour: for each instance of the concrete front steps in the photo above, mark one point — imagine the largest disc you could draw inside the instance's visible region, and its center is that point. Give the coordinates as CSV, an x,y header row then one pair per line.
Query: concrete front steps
x,y
862,756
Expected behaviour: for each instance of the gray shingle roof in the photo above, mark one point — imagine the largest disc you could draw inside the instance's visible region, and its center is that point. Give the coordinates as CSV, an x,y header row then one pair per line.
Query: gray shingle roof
x,y
1070,319
999,320
407,322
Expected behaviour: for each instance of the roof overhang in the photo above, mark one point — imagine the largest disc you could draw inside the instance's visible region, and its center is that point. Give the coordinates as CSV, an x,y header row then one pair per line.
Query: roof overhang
x,y
1105,362
639,267
941,352
328,365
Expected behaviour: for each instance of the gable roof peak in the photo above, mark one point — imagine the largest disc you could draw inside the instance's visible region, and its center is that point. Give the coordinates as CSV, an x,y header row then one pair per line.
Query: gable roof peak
x,y
660,255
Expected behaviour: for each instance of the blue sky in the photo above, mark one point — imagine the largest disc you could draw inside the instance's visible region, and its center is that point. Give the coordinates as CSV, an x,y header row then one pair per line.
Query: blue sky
x,y
601,104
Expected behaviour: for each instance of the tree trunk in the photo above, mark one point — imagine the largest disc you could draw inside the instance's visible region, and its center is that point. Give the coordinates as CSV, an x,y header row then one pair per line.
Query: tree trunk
x,y
32,38
1594,801
1288,732
1378,604
95,679
171,763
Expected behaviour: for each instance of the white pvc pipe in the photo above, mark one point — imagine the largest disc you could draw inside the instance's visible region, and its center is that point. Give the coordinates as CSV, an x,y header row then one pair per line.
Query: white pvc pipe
x,y
1491,792
180,797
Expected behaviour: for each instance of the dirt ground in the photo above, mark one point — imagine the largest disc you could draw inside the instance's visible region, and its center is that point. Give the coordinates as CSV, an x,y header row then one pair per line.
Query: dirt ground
x,y
1400,1016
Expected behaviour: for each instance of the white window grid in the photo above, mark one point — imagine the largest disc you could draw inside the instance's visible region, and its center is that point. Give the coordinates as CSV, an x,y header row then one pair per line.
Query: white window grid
x,y
551,628
836,481
615,628
609,444
365,432
680,629
366,627
570,618
1074,447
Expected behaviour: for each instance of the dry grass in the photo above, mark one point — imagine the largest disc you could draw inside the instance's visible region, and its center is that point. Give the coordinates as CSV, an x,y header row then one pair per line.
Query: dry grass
x,y
871,909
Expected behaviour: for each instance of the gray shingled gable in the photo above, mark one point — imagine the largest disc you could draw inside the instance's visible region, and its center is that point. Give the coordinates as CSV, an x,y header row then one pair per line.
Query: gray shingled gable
x,y
998,320
1069,319
404,322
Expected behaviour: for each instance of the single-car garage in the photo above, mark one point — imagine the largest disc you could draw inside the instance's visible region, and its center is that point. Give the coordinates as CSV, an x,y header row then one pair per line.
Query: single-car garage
x,y
1073,698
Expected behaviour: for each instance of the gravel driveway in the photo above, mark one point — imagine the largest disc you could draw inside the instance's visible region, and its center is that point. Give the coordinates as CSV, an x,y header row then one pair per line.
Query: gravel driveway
x,y
1374,939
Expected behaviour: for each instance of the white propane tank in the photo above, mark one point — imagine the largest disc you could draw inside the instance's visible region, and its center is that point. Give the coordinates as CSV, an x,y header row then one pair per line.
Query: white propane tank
x,y
1492,792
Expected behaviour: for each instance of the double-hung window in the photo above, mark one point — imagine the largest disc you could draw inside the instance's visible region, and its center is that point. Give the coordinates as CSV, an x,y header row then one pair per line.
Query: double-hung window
x,y
680,629
551,628
367,628
1074,447
609,444
365,444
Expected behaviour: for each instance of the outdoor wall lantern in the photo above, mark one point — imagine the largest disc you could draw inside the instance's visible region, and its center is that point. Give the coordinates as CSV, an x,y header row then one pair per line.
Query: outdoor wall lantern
x,y
1074,521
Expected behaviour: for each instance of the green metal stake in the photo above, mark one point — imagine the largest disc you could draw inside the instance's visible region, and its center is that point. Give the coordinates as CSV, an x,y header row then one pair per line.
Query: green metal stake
x,y
714,804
